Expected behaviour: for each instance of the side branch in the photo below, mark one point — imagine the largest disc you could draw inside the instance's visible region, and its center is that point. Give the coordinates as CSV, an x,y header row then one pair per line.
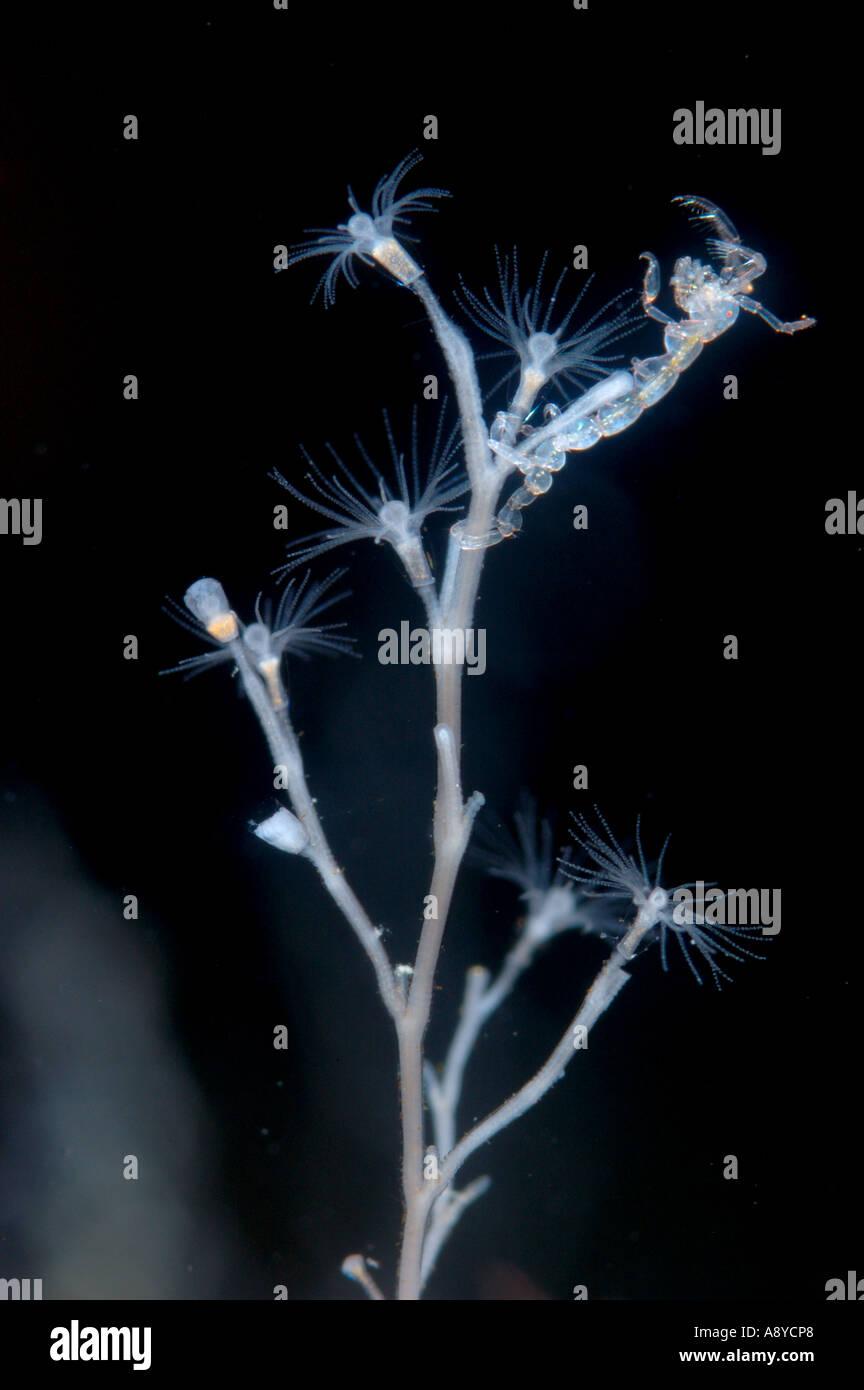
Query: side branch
x,y
480,1001
285,752
605,987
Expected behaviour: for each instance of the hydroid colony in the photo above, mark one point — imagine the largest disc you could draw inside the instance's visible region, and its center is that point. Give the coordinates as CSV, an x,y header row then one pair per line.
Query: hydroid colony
x,y
549,353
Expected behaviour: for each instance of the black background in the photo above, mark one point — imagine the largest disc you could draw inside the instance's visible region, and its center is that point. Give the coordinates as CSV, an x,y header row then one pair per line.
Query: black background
x,y
605,647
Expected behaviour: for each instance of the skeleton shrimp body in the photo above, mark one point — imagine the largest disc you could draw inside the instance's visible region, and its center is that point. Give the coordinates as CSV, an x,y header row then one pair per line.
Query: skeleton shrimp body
x,y
710,301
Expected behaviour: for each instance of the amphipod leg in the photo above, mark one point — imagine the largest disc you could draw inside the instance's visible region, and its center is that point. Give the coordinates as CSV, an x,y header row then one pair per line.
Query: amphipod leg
x,y
703,210
651,289
753,306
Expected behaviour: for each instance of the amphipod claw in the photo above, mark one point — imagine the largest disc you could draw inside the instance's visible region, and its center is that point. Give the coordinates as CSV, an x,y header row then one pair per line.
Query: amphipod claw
x,y
651,281
703,210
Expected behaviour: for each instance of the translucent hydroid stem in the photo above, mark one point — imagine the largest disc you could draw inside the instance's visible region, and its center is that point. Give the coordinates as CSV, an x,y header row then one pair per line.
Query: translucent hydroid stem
x,y
443,1093
451,829
482,997
605,987
445,1214
452,824
285,751
452,819
463,373
480,1001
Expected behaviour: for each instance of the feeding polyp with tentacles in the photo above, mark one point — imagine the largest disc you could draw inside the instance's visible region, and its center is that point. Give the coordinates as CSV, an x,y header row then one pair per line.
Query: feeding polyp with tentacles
x,y
394,513
525,856
294,630
370,236
612,872
547,349
550,347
